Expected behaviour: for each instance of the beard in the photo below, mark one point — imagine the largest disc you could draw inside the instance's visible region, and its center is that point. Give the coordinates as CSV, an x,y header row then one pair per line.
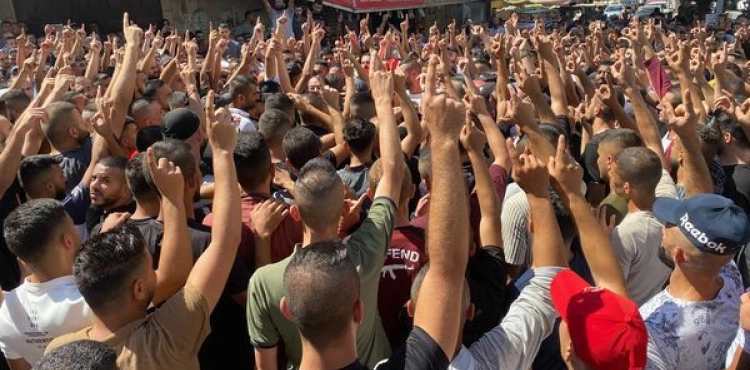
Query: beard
x,y
665,259
60,194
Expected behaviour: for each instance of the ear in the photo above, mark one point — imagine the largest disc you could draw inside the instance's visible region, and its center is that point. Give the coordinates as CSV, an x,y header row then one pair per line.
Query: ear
x,y
359,311
140,290
285,309
727,138
679,256
73,132
470,312
626,188
411,308
69,242
294,212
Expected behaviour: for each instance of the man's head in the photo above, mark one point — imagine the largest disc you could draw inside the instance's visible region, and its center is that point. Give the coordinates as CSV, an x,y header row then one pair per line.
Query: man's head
x,y
157,90
183,124
41,177
113,272
252,160
318,195
273,125
635,173
363,105
612,143
359,135
79,355
65,129
244,92
108,186
13,103
316,100
322,297
84,86
146,112
181,154
300,146
129,135
702,233
136,179
278,4
42,234
282,102
733,137
224,31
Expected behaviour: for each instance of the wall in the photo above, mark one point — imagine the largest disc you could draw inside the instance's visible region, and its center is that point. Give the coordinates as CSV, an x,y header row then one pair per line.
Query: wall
x,y
7,13
195,14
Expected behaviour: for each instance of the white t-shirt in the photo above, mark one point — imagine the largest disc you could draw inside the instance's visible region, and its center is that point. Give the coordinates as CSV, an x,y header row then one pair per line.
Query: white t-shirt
x,y
34,314
242,120
693,335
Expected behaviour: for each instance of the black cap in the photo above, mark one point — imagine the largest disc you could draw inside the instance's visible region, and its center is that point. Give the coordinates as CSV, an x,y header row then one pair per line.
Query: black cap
x,y
180,124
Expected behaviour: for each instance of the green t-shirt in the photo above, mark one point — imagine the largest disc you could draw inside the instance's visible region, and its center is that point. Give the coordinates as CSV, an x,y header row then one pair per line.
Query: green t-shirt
x,y
615,205
367,247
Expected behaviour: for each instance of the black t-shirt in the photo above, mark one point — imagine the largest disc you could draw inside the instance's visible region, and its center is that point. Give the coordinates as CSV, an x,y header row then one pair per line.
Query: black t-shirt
x,y
228,345
737,185
10,272
95,216
420,352
486,274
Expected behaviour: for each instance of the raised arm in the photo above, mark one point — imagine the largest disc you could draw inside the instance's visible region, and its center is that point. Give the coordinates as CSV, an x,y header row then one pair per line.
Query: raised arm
x,y
438,312
10,158
684,121
490,228
414,132
176,258
211,271
92,70
391,157
495,137
644,119
124,86
601,257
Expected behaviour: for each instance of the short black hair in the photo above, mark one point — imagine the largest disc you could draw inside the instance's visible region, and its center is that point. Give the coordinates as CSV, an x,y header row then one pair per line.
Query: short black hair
x,y
106,265
280,101
640,167
178,99
322,288
300,146
114,162
252,159
79,355
239,85
732,127
136,179
359,133
30,229
151,87
34,166
177,152
274,124
622,138
148,136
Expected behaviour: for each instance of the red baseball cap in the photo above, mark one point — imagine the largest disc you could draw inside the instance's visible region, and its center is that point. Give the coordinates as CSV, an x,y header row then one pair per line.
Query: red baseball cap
x,y
606,328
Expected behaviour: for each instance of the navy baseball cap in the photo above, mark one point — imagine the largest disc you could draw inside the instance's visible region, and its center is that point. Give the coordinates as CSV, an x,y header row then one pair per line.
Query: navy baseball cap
x,y
714,224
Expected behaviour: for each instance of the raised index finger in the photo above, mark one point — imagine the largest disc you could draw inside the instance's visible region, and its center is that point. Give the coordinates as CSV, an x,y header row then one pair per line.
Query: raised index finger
x,y
429,84
561,156
125,20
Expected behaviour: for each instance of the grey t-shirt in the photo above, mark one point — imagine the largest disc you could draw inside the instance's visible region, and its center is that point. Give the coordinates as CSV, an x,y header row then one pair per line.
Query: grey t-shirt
x,y
637,240
357,178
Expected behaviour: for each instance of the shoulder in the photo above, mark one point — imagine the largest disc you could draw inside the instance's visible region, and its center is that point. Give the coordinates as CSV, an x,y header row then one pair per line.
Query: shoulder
x,y
67,338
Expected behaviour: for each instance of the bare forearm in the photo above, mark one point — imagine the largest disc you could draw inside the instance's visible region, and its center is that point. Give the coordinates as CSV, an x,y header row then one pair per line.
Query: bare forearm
x,y
124,86
489,204
605,267
646,123
176,258
92,70
547,248
697,177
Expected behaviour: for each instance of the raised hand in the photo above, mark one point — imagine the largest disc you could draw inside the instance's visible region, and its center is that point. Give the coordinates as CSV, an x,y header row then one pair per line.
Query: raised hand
x,y
565,171
443,115
471,138
683,117
529,172
381,82
222,133
132,32
113,221
167,177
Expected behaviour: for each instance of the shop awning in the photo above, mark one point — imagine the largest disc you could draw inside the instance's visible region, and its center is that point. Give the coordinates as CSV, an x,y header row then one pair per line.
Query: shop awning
x,y
365,6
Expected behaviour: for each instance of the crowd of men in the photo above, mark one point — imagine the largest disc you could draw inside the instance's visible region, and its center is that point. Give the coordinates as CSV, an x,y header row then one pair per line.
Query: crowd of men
x,y
391,198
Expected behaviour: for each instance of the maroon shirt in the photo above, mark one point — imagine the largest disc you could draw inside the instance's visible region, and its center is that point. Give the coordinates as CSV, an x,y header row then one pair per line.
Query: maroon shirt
x,y
283,240
405,258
